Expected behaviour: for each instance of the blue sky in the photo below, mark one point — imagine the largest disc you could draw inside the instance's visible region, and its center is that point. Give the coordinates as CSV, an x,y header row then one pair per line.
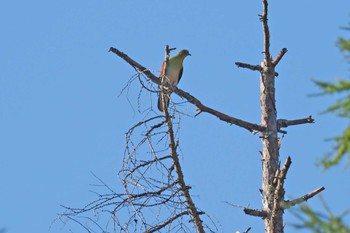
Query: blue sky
x,y
61,116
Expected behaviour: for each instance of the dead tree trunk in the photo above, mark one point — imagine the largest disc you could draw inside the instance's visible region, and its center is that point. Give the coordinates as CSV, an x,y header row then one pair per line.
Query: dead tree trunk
x,y
270,152
272,176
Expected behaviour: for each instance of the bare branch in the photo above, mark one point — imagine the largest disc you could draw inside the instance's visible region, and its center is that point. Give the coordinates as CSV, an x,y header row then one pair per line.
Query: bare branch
x,y
285,169
170,220
232,120
248,66
249,211
191,206
149,186
251,67
136,65
248,229
203,108
287,204
255,212
148,162
264,20
79,223
279,57
279,180
285,123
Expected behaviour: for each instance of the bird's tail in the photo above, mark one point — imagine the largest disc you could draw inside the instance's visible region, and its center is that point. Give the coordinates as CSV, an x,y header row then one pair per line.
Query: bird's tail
x,y
162,96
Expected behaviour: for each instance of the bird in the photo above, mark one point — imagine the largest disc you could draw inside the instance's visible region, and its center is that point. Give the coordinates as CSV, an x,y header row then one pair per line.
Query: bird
x,y
171,73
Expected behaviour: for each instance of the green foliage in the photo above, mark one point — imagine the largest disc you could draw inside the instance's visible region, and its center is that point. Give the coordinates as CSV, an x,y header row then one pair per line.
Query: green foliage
x,y
342,109
342,148
320,223
342,106
344,45
330,88
312,220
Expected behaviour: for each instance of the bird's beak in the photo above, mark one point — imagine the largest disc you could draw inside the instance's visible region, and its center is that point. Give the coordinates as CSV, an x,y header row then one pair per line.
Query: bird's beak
x,y
189,54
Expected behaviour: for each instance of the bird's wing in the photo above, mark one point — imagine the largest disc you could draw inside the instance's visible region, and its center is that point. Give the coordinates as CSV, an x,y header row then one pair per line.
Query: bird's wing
x,y
180,75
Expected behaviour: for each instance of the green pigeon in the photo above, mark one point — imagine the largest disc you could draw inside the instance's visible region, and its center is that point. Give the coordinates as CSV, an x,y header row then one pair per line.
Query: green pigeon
x,y
172,74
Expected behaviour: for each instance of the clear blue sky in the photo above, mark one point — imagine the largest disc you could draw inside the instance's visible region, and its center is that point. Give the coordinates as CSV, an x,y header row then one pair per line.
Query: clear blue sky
x,y
61,117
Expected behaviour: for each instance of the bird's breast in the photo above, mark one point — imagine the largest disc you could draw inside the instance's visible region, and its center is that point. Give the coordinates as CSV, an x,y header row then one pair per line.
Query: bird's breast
x,y
173,76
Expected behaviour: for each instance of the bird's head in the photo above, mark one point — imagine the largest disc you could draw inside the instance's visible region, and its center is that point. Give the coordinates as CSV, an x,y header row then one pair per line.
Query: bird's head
x,y
184,53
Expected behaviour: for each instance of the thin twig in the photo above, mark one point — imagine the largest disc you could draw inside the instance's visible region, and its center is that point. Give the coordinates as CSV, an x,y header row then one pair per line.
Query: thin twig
x,y
165,223
76,221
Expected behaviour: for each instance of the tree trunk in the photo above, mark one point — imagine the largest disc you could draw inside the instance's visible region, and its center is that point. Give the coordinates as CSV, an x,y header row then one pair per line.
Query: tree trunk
x,y
270,153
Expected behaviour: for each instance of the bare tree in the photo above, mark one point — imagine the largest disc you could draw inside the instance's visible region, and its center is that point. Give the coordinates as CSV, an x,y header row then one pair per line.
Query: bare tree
x,y
156,196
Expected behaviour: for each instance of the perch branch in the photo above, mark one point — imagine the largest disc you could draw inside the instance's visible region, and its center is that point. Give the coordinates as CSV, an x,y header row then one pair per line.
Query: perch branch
x,y
224,117
287,204
192,209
